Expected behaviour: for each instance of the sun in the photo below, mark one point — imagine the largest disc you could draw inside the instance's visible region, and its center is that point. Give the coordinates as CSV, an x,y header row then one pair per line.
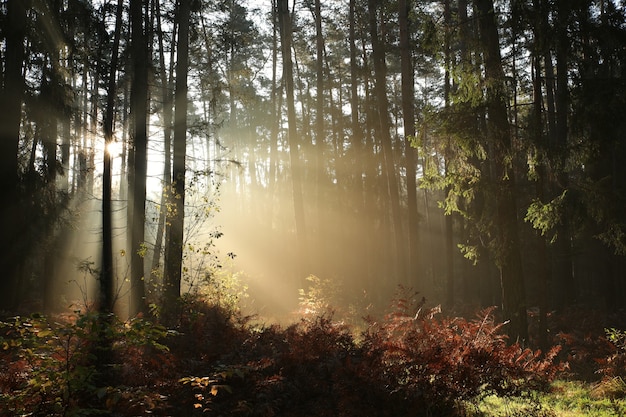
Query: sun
x,y
113,148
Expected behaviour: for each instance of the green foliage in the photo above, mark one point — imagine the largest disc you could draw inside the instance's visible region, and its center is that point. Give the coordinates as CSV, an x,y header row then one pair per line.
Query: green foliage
x,y
546,217
324,298
224,288
614,236
51,367
563,399
52,364
613,365
319,297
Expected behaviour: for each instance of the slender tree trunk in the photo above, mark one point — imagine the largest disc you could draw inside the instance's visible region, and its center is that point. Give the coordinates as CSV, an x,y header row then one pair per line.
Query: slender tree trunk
x,y
380,73
66,137
294,152
139,112
565,283
11,110
543,270
106,274
49,133
449,233
275,112
408,114
175,228
498,130
356,246
166,97
321,207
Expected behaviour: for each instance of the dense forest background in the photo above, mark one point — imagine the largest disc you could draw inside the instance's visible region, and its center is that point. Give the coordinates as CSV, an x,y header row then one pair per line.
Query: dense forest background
x,y
473,151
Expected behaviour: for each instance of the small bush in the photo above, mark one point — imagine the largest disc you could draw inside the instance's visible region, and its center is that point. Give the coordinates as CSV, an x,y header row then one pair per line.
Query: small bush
x,y
435,362
54,368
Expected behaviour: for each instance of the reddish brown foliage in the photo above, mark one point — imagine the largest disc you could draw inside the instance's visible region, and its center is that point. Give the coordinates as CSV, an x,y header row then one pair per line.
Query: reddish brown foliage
x,y
412,359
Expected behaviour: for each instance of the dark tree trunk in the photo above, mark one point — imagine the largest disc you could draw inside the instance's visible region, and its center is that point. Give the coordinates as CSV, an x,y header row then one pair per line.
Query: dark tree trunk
x,y
356,246
448,225
139,111
321,193
167,144
175,228
543,270
11,110
380,73
106,273
275,102
408,113
499,135
564,273
294,152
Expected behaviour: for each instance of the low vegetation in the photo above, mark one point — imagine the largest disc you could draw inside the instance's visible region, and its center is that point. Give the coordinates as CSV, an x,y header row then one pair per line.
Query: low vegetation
x,y
411,361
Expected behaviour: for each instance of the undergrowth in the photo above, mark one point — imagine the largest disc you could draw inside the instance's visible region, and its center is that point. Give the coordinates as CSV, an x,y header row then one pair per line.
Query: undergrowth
x,y
412,361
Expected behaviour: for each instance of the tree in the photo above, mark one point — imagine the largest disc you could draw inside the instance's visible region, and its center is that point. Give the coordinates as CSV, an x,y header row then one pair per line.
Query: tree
x,y
139,133
383,129
508,256
11,108
166,97
408,115
174,232
294,150
106,273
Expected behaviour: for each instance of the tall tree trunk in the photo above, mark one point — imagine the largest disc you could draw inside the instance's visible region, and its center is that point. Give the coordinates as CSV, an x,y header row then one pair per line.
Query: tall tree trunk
x,y
106,274
380,73
274,113
408,114
11,110
175,228
323,227
543,270
294,152
276,103
356,246
449,233
499,135
139,112
564,274
166,96
49,133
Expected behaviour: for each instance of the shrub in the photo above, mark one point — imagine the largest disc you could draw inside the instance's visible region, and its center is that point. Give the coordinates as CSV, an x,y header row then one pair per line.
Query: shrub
x,y
54,368
435,362
586,346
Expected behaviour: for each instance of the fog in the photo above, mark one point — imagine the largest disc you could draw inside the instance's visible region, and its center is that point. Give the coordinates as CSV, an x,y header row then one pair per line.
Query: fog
x,y
352,249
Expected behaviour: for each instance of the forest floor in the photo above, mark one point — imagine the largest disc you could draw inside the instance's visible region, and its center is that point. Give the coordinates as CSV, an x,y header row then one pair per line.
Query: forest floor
x,y
413,361
564,398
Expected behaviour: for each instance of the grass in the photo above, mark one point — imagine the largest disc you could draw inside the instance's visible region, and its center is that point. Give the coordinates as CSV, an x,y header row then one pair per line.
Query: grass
x,y
564,399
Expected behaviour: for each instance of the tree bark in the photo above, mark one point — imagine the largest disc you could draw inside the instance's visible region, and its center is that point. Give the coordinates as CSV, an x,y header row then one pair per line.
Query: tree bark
x,y
508,255
11,110
294,152
448,226
380,73
139,112
543,269
166,96
175,228
408,114
565,284
106,274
